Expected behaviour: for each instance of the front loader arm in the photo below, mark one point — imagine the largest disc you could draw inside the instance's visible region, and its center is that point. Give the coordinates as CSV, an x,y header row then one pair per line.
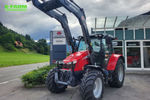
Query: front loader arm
x,y
71,6
48,8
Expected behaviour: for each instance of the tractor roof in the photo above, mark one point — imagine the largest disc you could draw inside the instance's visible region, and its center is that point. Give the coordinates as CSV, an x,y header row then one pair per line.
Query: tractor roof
x,y
108,38
100,36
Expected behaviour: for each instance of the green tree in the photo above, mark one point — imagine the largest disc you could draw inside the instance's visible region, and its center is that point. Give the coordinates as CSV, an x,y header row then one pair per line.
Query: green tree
x,y
42,46
27,37
1,24
7,41
7,38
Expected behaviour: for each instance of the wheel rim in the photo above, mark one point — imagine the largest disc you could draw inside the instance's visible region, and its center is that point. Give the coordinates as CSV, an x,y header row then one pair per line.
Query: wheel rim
x,y
120,73
97,88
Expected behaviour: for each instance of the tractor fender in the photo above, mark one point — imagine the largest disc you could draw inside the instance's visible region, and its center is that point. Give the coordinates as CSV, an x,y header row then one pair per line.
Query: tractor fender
x,y
93,67
113,61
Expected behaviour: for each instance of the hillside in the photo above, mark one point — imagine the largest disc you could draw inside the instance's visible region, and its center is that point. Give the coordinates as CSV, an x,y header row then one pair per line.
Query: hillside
x,y
13,41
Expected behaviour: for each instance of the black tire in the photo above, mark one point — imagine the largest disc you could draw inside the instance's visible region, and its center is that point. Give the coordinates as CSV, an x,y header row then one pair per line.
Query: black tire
x,y
116,81
88,84
52,86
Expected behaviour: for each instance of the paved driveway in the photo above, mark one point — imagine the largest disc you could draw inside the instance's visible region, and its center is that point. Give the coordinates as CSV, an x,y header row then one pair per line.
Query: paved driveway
x,y
12,73
136,87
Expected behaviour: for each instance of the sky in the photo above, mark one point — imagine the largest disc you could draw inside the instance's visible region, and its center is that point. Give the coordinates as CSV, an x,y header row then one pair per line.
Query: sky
x,y
38,25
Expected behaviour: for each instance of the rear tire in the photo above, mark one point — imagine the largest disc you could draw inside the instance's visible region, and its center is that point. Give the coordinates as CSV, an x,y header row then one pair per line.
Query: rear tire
x,y
92,85
52,86
118,75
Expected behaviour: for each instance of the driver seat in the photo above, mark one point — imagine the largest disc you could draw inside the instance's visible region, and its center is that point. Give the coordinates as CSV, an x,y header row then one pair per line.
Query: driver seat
x,y
97,58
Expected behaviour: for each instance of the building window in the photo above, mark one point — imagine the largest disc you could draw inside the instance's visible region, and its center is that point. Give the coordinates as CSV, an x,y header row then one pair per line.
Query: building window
x,y
147,33
133,55
129,35
110,32
118,48
139,34
119,34
133,44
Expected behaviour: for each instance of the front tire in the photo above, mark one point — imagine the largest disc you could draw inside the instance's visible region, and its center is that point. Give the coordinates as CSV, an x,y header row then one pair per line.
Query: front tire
x,y
118,75
92,85
52,86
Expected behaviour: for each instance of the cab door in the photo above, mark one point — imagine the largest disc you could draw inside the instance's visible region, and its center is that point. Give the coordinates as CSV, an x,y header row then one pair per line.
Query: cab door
x,y
108,51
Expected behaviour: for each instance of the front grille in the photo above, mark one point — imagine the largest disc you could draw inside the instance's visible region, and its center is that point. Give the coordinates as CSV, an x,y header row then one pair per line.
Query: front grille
x,y
67,66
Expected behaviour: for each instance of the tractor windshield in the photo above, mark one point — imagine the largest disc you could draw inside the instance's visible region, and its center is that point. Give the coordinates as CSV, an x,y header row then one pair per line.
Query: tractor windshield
x,y
95,45
82,46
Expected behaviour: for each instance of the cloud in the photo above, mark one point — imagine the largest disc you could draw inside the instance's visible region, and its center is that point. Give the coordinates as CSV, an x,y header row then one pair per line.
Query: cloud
x,y
38,24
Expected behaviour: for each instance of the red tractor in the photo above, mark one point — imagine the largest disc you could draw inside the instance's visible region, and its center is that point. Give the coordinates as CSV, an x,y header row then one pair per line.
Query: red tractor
x,y
92,63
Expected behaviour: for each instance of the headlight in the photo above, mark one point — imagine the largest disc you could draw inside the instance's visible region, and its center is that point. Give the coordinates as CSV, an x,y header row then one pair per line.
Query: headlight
x,y
69,63
74,62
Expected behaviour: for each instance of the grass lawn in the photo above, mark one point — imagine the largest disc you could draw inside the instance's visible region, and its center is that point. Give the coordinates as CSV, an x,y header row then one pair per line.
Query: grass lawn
x,y
20,58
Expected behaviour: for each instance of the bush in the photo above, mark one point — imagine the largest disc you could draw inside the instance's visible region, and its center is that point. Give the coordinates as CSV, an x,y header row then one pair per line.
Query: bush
x,y
9,47
36,77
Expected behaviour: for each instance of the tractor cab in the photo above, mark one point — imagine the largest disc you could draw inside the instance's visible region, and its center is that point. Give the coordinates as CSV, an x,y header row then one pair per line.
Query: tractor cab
x,y
102,48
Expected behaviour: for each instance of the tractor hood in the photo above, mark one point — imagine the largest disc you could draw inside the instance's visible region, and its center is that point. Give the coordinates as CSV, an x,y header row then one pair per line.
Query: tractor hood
x,y
76,56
